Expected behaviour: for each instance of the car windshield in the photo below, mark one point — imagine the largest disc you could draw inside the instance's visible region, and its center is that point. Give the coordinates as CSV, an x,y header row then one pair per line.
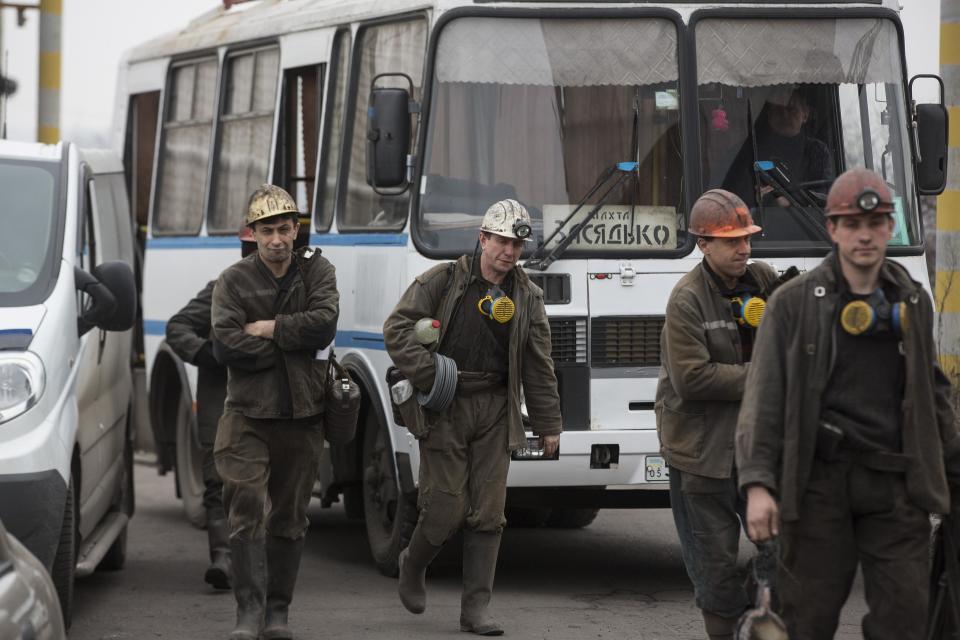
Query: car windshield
x,y
786,105
30,226
540,110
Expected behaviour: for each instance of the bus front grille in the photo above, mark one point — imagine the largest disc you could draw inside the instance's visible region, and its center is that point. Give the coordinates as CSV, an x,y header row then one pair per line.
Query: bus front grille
x,y
569,337
630,341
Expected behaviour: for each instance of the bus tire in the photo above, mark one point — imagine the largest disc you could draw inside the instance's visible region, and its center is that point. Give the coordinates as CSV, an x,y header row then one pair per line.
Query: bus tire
x,y
189,471
570,518
389,513
65,561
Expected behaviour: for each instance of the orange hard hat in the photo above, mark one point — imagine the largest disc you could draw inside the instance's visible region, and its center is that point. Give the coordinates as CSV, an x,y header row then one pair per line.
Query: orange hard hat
x,y
858,191
721,214
246,234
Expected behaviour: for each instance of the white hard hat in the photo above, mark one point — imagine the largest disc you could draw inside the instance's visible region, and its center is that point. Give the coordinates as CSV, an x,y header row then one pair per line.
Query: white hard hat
x,y
508,218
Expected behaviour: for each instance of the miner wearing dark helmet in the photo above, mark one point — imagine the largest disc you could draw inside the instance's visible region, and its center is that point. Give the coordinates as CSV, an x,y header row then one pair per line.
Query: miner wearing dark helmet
x,y
846,441
273,315
705,349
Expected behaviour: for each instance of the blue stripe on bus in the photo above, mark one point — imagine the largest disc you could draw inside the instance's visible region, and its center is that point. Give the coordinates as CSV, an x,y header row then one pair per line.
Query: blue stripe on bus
x,y
351,339
316,239
16,332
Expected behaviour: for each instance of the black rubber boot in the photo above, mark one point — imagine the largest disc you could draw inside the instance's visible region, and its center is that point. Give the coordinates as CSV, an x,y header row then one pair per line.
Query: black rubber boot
x,y
480,552
249,586
413,572
218,538
283,564
718,627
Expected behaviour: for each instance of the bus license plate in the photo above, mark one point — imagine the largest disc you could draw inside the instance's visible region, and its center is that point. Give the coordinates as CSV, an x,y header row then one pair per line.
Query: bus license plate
x,y
656,469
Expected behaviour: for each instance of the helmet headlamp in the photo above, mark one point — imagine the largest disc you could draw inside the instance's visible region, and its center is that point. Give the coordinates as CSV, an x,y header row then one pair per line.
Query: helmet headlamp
x,y
522,229
868,200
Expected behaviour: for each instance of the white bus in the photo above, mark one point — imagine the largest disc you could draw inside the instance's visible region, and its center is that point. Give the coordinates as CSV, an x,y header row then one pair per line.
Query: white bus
x,y
396,123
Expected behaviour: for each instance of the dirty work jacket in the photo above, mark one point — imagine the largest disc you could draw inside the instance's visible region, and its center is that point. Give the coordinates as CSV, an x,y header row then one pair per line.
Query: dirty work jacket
x,y
187,333
282,377
792,362
434,294
701,374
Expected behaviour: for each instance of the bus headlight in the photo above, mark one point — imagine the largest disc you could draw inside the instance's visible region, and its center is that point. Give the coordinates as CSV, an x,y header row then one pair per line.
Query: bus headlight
x,y
21,383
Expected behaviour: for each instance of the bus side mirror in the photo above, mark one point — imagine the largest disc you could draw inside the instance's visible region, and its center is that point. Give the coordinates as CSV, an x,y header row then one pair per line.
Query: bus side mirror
x,y
931,124
930,135
388,136
113,297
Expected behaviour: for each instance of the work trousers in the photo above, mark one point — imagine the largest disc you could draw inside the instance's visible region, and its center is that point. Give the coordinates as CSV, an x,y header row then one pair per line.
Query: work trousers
x,y
708,513
463,467
268,469
211,392
852,515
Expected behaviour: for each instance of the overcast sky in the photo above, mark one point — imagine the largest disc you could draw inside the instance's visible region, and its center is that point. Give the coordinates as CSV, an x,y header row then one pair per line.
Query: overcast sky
x,y
96,32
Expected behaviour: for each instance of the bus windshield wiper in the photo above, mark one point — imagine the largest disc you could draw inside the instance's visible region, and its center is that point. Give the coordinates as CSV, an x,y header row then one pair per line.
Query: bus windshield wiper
x,y
541,259
798,200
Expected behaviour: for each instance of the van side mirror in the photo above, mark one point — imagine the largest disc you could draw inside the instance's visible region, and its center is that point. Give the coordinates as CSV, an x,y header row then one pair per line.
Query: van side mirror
x,y
930,130
113,297
388,135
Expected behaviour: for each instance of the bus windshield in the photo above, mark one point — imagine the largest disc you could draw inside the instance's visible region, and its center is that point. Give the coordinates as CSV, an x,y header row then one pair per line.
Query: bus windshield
x,y
30,225
786,105
538,110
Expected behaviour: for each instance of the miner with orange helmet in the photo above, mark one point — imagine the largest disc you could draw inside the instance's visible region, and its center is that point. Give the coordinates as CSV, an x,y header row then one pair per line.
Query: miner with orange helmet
x,y
705,351
846,439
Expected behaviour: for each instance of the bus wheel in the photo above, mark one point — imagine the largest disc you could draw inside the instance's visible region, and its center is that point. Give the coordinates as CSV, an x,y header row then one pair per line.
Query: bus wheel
x,y
567,518
65,561
189,473
390,514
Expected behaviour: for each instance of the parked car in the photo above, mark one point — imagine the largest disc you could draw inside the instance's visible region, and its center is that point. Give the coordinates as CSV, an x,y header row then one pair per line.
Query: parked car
x,y
68,300
29,607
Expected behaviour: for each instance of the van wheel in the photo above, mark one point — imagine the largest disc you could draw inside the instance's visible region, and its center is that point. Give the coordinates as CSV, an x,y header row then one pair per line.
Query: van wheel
x,y
116,555
526,517
65,561
568,518
189,473
390,514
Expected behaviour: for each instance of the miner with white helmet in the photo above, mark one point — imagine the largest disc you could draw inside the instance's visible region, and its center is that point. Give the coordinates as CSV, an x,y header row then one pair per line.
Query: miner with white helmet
x,y
705,349
273,313
846,440
493,349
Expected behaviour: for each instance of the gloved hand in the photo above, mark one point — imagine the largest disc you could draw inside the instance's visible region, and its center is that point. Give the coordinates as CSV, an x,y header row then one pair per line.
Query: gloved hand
x,y
786,276
204,357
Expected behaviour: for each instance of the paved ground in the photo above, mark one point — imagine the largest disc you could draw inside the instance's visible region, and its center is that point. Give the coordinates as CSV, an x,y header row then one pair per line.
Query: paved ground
x,y
621,577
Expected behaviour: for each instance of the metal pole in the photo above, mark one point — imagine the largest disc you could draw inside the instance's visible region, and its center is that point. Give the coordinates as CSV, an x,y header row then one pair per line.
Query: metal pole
x,y
948,205
48,104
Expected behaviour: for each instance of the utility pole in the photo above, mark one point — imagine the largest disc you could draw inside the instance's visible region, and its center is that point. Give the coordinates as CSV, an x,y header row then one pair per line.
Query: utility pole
x,y
948,204
48,104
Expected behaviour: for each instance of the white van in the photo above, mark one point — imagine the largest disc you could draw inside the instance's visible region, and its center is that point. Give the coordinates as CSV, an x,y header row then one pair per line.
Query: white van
x,y
68,300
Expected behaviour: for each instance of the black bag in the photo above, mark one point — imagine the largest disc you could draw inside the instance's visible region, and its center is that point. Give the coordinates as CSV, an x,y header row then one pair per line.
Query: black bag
x,y
341,406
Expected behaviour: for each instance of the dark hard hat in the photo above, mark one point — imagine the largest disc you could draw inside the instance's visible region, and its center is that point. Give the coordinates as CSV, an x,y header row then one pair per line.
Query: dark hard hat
x,y
721,214
858,191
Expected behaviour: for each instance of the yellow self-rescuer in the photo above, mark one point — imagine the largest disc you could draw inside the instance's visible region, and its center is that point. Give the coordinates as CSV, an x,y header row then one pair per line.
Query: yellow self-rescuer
x,y
497,305
748,310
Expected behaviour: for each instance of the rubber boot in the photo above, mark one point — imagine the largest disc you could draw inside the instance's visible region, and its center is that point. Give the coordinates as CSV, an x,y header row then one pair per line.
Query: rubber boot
x,y
249,586
480,552
218,538
283,563
718,627
413,572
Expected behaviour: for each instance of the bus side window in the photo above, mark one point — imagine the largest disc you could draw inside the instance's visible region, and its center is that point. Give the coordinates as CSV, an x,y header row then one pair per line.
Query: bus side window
x,y
383,48
242,158
300,133
187,129
333,124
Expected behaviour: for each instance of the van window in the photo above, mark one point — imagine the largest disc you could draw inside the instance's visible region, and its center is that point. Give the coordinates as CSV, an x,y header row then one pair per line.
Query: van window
x,y
104,209
31,223
384,48
246,125
297,157
333,129
186,148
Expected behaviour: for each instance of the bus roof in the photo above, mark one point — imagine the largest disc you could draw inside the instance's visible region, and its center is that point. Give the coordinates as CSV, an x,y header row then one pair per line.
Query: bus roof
x,y
268,18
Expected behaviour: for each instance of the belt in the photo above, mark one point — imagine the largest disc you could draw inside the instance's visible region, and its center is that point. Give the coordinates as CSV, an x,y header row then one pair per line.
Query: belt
x,y
832,447
470,382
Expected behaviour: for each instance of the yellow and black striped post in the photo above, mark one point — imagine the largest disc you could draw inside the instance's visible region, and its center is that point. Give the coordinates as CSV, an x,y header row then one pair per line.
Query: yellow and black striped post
x,y
48,103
